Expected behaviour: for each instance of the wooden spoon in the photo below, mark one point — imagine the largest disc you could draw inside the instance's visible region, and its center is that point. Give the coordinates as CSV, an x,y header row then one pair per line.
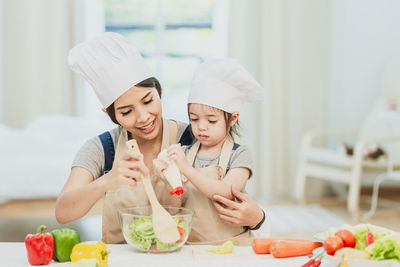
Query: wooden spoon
x,y
164,225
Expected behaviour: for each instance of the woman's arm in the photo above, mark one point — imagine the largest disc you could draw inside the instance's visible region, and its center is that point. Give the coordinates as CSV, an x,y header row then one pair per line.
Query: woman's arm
x,y
78,195
243,213
81,191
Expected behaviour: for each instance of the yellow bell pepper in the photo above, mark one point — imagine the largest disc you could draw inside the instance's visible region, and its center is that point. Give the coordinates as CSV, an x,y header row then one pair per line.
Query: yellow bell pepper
x,y
90,250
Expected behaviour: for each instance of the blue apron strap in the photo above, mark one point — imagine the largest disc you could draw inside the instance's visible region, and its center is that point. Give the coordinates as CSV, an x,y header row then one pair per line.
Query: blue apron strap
x,y
235,146
186,137
109,151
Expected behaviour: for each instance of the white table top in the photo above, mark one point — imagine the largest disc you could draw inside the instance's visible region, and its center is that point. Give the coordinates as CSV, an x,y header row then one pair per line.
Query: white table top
x,y
14,254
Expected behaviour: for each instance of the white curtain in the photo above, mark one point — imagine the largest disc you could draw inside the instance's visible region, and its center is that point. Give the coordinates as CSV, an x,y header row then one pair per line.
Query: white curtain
x,y
36,78
284,45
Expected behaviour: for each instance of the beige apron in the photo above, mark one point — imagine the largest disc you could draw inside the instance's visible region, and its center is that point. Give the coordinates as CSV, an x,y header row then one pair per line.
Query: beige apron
x,y
127,196
207,227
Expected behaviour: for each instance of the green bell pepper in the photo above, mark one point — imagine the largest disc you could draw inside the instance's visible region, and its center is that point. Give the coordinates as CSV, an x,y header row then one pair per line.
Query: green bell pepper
x,y
64,240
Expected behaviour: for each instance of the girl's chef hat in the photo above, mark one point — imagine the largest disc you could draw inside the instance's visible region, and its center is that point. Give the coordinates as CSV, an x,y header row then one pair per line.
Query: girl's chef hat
x,y
223,84
110,64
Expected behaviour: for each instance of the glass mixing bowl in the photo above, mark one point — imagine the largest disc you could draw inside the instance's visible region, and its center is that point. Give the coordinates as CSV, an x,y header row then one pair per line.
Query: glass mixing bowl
x,y
138,232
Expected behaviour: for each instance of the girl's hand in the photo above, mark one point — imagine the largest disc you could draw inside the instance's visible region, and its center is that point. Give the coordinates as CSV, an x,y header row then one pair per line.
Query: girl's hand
x,y
127,171
175,153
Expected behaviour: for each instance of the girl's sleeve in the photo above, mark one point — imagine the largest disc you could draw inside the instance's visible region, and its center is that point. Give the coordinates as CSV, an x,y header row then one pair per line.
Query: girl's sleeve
x,y
241,158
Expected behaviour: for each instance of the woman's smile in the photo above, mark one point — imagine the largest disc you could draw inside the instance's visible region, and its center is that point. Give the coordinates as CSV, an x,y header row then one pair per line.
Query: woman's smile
x,y
148,128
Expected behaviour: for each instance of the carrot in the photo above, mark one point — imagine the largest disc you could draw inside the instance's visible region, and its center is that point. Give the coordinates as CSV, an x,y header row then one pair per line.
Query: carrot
x,y
293,248
262,245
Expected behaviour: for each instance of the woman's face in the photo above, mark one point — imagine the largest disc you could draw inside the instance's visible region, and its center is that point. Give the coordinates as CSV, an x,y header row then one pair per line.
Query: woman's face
x,y
138,110
208,124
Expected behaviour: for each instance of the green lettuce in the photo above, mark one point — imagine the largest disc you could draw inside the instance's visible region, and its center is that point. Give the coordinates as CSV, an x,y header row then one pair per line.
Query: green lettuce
x,y
141,233
387,247
361,230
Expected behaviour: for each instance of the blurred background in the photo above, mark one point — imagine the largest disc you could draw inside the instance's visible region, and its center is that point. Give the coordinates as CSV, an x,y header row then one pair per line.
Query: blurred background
x,y
323,65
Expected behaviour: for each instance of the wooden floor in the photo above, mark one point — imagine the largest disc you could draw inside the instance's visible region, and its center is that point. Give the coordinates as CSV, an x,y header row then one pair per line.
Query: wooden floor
x,y
18,218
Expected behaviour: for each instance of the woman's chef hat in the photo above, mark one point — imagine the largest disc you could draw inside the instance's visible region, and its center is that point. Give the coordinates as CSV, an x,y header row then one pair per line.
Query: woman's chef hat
x,y
110,64
223,84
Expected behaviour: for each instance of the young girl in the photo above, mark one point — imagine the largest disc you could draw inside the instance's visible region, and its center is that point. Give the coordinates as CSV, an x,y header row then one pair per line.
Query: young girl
x,y
215,163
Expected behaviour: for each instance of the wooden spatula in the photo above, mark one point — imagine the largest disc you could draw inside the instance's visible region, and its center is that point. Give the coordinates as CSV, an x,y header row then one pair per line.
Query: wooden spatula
x,y
164,225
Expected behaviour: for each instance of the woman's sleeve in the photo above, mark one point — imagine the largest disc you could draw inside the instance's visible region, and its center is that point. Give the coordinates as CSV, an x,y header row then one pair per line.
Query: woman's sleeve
x,y
91,157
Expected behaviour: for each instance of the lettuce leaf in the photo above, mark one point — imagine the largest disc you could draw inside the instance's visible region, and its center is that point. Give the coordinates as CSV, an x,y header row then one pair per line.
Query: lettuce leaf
x,y
387,247
361,230
141,233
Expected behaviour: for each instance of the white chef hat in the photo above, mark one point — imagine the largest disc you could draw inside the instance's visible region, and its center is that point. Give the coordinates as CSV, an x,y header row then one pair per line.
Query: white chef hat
x,y
110,64
224,84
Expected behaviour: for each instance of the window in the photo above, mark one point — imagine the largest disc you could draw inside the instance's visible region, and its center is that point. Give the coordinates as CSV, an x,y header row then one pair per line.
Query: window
x,y
174,36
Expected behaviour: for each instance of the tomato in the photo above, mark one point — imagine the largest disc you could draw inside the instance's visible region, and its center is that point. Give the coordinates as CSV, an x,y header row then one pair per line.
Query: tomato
x,y
332,244
369,238
181,234
349,240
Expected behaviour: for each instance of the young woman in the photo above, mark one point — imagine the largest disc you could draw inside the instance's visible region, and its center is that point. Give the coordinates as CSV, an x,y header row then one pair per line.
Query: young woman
x,y
103,167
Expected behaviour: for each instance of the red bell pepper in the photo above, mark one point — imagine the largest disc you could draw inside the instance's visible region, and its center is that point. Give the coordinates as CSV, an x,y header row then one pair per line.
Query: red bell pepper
x,y
40,247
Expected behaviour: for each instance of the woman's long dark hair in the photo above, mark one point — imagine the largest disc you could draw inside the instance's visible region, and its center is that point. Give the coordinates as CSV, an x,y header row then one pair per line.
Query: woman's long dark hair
x,y
150,82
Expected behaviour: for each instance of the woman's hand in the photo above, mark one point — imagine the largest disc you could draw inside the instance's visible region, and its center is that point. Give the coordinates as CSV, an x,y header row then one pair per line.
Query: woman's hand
x,y
175,153
127,171
244,213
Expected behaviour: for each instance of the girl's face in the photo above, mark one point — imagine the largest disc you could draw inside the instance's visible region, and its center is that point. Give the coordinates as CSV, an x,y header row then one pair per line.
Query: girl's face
x,y
208,124
138,110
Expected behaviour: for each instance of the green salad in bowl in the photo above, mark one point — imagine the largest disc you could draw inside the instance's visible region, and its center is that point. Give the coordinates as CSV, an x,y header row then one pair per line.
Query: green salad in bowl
x,y
137,228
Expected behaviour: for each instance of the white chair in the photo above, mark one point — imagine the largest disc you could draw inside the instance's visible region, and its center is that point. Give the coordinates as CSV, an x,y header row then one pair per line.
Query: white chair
x,y
381,127
391,174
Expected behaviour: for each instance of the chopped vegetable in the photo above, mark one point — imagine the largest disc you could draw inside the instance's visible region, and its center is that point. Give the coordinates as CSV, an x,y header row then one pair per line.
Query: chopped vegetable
x,y
387,247
85,263
360,232
141,233
352,253
369,239
225,248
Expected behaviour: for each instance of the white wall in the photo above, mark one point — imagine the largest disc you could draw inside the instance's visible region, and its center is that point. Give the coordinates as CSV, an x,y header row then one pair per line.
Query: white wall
x,y
1,60
36,79
363,35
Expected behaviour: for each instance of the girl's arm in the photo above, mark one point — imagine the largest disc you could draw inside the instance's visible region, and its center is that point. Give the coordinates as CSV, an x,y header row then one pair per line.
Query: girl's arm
x,y
236,176
243,213
81,191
